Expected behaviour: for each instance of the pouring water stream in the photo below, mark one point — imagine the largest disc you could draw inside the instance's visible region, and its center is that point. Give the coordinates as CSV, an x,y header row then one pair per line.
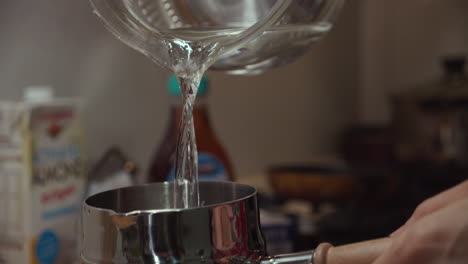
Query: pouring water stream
x,y
189,61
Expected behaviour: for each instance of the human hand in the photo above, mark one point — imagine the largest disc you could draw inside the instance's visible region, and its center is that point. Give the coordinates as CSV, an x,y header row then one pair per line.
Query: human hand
x,y
437,233
436,203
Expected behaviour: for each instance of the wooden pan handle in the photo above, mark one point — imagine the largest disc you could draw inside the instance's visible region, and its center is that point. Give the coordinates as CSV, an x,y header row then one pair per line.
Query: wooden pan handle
x,y
357,253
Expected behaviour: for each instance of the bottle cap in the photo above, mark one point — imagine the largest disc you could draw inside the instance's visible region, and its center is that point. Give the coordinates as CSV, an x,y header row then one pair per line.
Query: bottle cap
x,y
37,94
174,88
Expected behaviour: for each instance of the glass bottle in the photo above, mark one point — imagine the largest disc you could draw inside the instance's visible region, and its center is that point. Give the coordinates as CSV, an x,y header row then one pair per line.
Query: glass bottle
x,y
213,161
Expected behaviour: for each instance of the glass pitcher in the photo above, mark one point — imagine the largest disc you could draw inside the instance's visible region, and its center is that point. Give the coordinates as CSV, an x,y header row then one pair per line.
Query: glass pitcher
x,y
257,34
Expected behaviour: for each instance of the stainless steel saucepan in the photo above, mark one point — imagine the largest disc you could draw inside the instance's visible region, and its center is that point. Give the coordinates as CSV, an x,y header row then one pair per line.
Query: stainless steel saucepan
x,y
138,225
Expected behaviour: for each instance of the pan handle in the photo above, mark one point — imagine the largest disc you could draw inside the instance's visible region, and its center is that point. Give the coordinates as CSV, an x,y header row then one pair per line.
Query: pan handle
x,y
357,253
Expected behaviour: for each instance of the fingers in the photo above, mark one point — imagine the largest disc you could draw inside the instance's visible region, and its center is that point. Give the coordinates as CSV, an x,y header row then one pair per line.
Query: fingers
x,y
417,244
442,200
409,251
440,237
435,203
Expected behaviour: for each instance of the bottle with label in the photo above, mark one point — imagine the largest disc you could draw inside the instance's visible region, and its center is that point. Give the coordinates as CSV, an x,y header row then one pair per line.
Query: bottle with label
x,y
213,162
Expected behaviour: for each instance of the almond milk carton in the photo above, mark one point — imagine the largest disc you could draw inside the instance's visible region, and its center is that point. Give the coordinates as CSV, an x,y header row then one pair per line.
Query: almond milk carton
x,y
42,180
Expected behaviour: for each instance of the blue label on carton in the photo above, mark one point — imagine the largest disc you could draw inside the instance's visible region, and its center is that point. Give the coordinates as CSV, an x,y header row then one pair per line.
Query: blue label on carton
x,y
47,247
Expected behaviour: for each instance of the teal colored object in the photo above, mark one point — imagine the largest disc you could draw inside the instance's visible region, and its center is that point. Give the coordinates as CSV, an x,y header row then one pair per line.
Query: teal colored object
x,y
174,88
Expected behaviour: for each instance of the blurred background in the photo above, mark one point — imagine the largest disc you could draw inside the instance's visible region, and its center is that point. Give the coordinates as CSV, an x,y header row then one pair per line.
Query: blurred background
x,y
376,47
331,107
